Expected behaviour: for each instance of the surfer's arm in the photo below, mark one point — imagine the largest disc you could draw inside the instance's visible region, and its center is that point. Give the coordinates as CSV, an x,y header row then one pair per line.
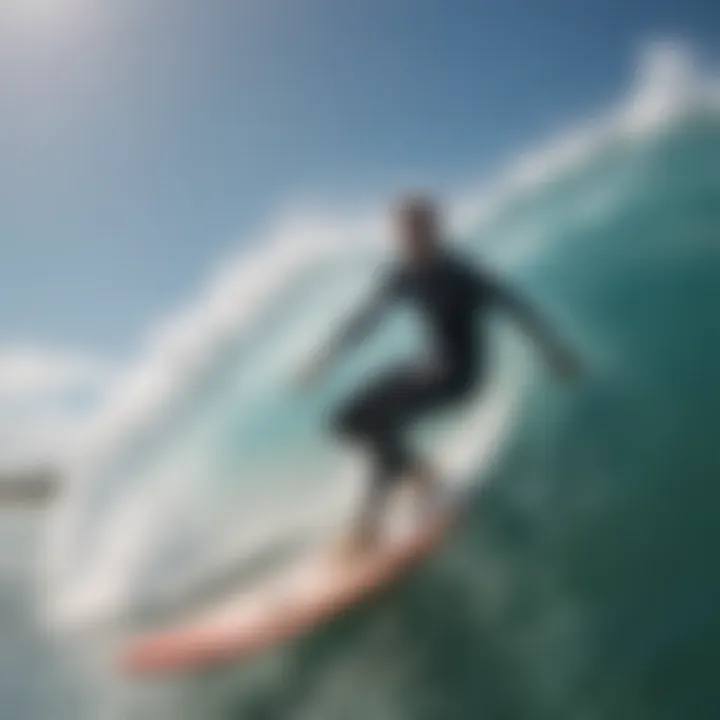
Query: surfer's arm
x,y
562,359
359,326
352,332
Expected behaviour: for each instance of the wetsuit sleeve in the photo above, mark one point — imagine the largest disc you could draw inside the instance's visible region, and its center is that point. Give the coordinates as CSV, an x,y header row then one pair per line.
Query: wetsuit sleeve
x,y
366,318
510,301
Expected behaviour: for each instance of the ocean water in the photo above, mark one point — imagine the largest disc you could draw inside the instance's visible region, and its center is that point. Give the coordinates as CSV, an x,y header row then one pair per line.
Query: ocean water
x,y
584,583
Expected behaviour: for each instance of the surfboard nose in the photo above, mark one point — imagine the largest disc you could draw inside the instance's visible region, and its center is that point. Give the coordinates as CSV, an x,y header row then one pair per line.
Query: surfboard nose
x,y
289,605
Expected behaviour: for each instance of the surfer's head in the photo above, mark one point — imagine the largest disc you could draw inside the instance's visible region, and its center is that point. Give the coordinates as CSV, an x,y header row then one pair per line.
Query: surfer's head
x,y
417,220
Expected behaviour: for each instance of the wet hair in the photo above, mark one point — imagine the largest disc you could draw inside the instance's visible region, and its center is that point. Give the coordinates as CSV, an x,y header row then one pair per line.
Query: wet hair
x,y
419,205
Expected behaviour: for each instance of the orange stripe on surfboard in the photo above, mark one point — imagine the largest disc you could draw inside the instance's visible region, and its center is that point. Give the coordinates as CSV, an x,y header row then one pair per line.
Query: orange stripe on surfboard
x,y
298,601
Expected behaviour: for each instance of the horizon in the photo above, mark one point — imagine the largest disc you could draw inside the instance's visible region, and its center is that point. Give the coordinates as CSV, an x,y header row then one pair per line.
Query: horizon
x,y
104,183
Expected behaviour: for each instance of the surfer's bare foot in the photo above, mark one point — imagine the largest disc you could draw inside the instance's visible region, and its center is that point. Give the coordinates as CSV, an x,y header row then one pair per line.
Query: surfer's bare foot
x,y
359,540
427,488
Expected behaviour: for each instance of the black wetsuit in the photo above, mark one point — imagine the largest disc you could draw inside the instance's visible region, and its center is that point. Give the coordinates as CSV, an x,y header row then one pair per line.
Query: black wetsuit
x,y
451,295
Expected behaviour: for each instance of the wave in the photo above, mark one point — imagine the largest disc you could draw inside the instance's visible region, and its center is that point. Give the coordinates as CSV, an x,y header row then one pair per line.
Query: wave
x,y
179,475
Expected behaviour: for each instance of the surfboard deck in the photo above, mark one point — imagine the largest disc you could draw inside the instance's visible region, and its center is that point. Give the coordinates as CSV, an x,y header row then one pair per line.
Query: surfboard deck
x,y
289,604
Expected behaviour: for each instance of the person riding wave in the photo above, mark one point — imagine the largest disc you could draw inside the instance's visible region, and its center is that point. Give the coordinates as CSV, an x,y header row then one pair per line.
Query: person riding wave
x,y
454,297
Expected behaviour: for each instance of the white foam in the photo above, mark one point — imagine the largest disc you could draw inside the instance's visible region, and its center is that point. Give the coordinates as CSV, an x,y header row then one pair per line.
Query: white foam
x,y
667,85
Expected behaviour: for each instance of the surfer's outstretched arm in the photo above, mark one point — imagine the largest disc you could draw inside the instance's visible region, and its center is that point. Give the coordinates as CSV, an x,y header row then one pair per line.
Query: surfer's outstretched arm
x,y
561,357
351,333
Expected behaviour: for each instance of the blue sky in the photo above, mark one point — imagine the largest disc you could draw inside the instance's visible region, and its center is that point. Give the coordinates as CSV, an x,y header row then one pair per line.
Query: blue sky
x,y
144,140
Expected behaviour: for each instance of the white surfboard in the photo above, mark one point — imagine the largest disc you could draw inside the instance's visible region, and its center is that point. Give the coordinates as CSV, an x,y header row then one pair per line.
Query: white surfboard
x,y
293,602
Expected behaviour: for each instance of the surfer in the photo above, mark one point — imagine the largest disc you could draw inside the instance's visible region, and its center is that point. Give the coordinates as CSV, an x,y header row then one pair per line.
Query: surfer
x,y
454,298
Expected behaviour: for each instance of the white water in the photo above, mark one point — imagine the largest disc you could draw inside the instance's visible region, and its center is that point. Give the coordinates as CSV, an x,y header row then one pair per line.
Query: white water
x,y
181,472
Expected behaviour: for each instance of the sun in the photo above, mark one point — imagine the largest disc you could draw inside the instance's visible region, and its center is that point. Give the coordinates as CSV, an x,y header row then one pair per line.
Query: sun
x,y
45,13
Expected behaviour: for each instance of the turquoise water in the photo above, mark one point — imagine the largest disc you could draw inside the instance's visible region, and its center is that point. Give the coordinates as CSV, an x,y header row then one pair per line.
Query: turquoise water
x,y
584,584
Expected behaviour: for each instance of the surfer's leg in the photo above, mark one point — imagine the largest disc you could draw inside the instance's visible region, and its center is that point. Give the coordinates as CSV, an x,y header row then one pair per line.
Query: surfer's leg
x,y
365,529
421,394
370,419
378,418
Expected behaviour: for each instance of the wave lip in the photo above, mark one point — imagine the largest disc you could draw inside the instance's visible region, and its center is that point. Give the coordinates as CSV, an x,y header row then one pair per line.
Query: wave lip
x,y
108,521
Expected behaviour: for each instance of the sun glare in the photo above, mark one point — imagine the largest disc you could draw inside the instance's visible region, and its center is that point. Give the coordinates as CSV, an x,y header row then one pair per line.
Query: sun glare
x,y
47,13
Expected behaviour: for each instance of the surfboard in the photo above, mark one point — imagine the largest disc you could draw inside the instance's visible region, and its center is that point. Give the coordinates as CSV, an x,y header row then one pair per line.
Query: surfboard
x,y
289,604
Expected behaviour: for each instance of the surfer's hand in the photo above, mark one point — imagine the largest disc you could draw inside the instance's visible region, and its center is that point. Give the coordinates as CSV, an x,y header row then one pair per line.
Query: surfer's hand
x,y
566,364
309,374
